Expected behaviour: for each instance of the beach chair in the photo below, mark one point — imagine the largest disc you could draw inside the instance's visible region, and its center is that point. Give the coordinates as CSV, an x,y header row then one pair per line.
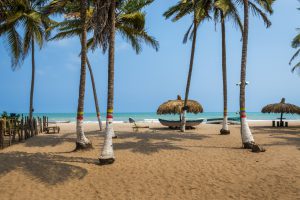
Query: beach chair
x,y
136,127
50,129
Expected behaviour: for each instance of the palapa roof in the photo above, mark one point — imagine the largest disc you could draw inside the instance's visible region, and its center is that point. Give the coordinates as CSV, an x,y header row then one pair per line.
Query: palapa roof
x,y
281,107
176,107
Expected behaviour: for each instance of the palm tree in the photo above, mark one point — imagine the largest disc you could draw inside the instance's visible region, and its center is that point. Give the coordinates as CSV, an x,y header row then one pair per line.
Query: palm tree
x,y
107,154
200,11
24,16
131,33
82,142
225,9
95,93
247,137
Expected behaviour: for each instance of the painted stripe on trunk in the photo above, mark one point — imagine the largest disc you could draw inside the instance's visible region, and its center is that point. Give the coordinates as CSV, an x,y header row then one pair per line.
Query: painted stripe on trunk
x,y
80,117
110,110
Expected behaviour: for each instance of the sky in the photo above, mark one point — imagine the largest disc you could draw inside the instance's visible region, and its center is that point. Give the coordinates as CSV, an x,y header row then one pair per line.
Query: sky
x,y
144,81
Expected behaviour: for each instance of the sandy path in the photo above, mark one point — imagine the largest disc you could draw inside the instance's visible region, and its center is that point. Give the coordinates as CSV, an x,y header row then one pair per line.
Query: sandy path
x,y
155,164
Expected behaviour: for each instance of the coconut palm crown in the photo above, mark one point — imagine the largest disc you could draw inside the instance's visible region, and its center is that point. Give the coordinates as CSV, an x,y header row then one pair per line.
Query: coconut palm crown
x,y
24,17
130,24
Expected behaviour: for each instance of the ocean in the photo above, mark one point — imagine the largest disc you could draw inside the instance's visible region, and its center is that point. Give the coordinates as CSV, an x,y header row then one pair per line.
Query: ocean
x,y
153,117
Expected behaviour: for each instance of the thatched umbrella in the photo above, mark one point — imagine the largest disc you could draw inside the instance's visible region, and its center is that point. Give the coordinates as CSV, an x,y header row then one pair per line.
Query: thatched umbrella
x,y
281,108
176,107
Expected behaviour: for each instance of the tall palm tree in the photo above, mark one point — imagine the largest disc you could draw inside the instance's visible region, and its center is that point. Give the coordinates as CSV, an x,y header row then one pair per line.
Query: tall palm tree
x,y
107,154
82,142
200,11
24,16
224,9
132,32
95,93
247,137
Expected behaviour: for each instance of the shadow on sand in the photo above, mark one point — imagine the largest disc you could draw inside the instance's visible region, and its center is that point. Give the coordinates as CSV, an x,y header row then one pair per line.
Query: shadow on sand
x,y
153,142
287,135
45,167
148,142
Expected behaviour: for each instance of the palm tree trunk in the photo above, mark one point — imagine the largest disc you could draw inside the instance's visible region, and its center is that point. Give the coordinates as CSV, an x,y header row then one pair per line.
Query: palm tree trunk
x,y
95,93
107,154
246,134
225,130
32,85
187,89
82,142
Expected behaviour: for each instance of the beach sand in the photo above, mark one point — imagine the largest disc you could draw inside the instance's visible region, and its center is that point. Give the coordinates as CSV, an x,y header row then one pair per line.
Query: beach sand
x,y
155,163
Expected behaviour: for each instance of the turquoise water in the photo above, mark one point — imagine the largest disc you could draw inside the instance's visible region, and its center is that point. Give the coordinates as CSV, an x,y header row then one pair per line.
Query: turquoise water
x,y
148,116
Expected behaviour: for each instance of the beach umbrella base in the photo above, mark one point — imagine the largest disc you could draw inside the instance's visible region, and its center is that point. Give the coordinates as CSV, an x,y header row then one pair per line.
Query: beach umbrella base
x,y
224,132
107,161
80,146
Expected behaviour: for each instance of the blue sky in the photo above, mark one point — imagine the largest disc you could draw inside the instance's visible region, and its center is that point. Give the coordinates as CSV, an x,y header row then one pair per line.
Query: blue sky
x,y
143,82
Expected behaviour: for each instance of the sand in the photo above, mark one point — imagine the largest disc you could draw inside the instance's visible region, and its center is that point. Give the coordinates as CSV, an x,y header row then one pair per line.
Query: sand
x,y
155,163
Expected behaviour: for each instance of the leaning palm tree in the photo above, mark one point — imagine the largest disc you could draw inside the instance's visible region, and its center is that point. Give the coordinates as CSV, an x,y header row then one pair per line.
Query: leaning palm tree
x,y
247,137
200,10
24,16
95,93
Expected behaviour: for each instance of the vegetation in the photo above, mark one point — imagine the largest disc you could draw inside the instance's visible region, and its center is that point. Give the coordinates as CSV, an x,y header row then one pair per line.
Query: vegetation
x,y
26,24
247,138
296,45
200,11
24,17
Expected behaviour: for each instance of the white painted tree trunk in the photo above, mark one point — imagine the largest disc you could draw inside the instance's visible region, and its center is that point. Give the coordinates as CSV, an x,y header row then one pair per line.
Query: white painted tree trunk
x,y
225,124
81,139
247,137
183,121
107,151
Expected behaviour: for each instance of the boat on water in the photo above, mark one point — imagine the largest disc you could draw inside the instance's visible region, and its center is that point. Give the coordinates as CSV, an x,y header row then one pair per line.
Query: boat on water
x,y
175,124
231,120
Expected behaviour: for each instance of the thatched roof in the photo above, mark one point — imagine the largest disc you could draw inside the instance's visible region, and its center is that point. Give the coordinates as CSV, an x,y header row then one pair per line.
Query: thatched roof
x,y
176,107
281,107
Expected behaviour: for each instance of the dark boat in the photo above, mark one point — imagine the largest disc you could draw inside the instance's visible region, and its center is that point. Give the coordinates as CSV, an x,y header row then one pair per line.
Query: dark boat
x,y
176,124
231,120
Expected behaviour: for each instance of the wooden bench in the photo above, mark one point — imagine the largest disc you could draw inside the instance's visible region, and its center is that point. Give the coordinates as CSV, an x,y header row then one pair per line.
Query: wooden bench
x,y
52,129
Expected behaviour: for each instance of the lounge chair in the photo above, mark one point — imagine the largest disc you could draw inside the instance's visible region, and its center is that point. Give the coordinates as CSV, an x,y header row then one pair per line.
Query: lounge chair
x,y
136,127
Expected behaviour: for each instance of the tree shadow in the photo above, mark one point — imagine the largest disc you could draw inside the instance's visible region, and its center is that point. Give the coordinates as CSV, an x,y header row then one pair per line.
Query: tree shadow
x,y
287,135
295,130
49,140
47,168
153,142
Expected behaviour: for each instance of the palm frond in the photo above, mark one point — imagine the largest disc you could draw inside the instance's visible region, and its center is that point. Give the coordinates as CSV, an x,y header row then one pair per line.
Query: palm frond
x,y
297,66
296,41
294,56
258,12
